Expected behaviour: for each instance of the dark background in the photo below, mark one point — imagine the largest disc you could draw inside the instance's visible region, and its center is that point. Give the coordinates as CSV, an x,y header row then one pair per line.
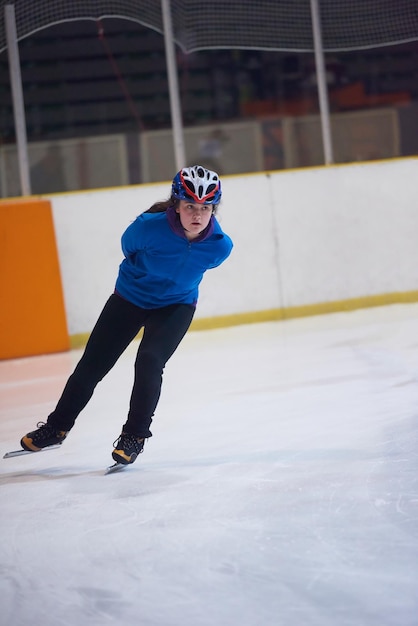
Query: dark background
x,y
78,83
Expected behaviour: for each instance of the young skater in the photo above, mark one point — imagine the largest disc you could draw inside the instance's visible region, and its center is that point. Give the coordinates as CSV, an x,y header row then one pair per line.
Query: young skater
x,y
167,250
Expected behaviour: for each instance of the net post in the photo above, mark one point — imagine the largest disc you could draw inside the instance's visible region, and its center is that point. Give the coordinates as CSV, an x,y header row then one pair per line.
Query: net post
x,y
322,83
170,54
17,94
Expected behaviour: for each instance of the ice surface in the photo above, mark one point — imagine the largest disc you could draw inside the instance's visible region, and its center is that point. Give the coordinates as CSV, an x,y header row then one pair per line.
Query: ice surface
x,y
280,487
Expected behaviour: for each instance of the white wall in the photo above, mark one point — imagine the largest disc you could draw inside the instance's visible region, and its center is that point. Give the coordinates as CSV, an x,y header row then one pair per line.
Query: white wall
x,y
301,237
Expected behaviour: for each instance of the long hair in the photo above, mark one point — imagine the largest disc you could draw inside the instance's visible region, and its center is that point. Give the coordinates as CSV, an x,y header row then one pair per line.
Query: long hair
x,y
162,206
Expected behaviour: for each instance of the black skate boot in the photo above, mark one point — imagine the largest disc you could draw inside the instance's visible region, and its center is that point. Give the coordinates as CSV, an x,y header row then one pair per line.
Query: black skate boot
x,y
127,448
43,437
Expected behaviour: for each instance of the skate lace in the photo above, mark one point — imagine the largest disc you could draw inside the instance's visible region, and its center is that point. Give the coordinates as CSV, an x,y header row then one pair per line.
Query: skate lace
x,y
127,442
44,431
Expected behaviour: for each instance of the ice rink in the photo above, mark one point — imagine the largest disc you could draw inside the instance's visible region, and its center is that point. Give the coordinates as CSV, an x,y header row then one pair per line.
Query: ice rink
x,y
280,487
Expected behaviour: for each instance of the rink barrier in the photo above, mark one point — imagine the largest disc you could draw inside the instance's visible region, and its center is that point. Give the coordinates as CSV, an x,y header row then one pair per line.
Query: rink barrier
x,y
308,310
33,318
274,315
329,235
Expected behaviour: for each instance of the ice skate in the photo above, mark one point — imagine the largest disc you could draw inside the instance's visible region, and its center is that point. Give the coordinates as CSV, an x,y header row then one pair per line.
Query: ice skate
x,y
43,437
127,448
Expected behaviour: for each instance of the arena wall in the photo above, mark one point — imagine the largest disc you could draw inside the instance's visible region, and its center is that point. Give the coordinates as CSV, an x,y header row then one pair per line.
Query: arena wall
x,y
306,241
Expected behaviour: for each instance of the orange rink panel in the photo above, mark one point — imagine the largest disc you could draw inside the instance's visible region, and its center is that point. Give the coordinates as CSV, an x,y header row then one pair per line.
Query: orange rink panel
x,y
32,312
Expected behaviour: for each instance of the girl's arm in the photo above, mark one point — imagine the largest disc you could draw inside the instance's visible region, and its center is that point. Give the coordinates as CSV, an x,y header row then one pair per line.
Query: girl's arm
x,y
132,238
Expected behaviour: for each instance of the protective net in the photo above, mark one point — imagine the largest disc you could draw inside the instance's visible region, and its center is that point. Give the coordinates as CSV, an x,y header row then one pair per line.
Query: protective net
x,y
281,25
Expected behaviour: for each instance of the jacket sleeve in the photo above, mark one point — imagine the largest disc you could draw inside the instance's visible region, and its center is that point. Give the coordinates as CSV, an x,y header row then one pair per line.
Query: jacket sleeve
x,y
133,238
224,250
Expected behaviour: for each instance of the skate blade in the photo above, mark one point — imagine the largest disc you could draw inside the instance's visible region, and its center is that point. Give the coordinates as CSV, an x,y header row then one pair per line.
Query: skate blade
x,y
116,467
13,453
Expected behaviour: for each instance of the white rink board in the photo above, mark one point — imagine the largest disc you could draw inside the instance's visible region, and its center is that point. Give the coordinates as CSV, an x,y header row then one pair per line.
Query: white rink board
x,y
350,232
301,237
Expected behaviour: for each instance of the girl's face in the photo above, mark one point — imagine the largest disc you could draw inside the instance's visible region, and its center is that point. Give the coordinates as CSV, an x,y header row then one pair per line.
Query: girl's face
x,y
194,217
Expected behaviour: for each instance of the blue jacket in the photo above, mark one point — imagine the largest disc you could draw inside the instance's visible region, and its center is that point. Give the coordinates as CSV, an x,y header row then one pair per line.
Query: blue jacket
x,y
161,265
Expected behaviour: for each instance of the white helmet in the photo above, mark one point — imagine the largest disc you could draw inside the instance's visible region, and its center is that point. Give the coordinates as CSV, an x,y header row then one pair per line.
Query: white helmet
x,y
198,184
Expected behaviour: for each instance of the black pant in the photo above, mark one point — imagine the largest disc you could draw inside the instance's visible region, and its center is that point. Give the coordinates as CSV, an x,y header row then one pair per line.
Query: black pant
x,y
118,324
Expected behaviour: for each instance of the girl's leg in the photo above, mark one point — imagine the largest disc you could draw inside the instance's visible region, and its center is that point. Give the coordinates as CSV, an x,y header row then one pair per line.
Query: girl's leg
x,y
163,331
116,327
